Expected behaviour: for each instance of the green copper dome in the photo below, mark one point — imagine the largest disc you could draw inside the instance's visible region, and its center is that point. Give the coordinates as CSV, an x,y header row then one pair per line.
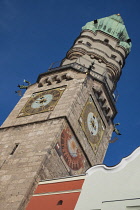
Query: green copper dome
x,y
114,26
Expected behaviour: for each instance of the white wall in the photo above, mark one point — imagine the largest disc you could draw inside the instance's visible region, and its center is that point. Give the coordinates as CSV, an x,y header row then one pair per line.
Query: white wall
x,y
112,188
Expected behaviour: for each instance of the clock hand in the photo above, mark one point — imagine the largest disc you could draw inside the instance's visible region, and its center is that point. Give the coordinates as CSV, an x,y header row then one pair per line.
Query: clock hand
x,y
92,123
41,100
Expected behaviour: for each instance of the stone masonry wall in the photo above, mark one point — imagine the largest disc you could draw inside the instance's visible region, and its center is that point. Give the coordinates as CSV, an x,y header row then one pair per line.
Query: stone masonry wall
x,y
33,138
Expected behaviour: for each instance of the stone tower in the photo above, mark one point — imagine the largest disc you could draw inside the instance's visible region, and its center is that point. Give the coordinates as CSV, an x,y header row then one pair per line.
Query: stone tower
x,y
63,123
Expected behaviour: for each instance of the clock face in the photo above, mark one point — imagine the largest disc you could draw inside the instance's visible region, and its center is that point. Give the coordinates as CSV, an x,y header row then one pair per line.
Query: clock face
x,y
70,150
42,101
92,124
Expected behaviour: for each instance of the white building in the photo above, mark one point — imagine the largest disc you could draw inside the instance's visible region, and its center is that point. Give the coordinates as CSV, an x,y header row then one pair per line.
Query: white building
x,y
112,188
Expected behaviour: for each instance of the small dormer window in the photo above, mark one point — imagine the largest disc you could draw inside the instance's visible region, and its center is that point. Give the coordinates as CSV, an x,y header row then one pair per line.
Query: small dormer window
x,y
80,41
88,44
106,40
95,21
128,41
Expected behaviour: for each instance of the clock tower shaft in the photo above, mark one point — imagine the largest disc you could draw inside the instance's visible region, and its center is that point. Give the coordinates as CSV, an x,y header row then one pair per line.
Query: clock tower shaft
x,y
63,123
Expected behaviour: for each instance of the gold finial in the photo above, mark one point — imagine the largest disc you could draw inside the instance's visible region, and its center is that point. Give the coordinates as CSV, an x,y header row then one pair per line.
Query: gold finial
x,y
118,14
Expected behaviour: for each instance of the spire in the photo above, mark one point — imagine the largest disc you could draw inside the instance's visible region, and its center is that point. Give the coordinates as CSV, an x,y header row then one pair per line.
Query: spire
x,y
114,26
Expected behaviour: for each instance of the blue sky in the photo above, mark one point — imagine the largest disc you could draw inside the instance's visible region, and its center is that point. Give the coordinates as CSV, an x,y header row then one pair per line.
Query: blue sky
x,y
33,34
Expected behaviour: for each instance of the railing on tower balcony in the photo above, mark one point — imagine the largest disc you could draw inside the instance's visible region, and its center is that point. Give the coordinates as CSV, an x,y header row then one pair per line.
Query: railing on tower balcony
x,y
57,66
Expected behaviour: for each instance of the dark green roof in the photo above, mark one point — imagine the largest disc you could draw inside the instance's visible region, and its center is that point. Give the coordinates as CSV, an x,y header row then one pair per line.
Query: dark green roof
x,y
114,26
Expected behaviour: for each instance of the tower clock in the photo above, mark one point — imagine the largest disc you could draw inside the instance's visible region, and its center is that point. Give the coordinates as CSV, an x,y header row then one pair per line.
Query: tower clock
x,y
42,101
63,123
92,124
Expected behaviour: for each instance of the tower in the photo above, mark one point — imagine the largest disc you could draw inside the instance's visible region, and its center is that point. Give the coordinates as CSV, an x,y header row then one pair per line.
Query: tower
x,y
63,123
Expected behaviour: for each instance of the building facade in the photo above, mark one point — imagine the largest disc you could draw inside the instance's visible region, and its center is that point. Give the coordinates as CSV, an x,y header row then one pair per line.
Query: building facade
x,y
54,194
63,123
100,188
114,188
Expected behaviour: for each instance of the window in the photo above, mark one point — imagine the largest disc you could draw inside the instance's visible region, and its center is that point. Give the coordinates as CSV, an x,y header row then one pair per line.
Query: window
x,y
120,63
80,41
88,44
14,149
60,202
113,56
128,40
95,21
133,207
106,40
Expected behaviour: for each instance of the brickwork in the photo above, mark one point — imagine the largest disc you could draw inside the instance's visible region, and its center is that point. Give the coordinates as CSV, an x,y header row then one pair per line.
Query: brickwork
x,y
53,144
35,157
20,170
